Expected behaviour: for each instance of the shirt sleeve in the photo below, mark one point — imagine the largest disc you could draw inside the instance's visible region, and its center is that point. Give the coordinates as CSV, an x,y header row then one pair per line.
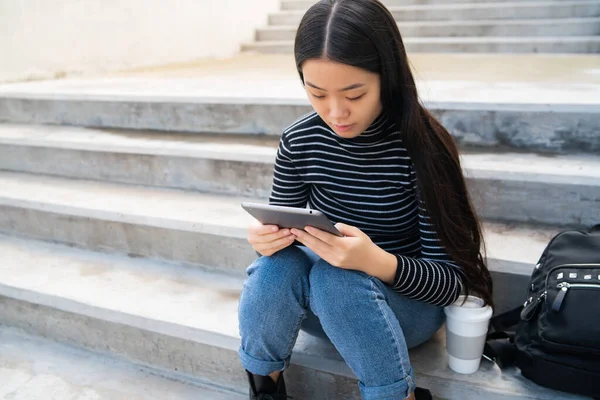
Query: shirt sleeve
x,y
433,277
289,189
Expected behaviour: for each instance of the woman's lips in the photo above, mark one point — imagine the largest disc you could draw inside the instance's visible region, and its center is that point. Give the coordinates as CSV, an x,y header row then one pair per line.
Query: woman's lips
x,y
343,128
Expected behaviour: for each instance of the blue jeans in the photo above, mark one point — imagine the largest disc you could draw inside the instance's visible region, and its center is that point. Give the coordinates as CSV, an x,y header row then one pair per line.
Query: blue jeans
x,y
370,325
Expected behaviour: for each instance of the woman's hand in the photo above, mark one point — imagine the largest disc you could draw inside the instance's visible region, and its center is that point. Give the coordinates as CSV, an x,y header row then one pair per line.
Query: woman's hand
x,y
269,239
354,251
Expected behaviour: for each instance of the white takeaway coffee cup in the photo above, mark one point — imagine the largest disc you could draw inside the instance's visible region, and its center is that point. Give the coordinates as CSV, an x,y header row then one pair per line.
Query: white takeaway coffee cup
x,y
466,330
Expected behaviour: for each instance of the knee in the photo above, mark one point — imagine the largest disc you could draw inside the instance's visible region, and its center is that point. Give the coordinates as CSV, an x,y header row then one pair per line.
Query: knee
x,y
287,265
336,290
276,284
277,275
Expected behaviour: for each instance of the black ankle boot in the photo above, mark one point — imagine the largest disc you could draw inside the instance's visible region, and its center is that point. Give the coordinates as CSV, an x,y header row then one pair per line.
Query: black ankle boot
x,y
263,387
422,394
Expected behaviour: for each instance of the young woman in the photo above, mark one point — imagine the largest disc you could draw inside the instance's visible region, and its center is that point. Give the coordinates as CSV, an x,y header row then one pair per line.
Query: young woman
x,y
377,163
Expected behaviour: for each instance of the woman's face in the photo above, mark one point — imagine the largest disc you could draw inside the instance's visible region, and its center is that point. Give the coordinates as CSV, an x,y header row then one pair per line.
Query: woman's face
x,y
347,98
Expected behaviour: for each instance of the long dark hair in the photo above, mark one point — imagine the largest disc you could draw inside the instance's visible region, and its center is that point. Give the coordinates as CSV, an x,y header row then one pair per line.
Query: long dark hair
x,y
364,34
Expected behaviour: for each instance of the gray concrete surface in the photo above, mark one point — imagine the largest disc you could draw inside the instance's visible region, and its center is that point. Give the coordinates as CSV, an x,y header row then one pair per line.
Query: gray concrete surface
x,y
543,116
208,230
304,4
468,80
509,45
560,190
432,26
554,130
179,320
491,44
205,231
480,28
523,27
498,10
32,368
193,228
227,165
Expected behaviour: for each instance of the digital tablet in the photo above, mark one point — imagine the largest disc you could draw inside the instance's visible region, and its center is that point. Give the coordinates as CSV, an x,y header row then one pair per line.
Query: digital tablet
x,y
290,217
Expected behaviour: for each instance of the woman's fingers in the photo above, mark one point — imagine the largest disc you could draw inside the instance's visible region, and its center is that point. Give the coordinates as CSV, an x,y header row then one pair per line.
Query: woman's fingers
x,y
274,247
310,241
279,242
256,228
266,229
269,238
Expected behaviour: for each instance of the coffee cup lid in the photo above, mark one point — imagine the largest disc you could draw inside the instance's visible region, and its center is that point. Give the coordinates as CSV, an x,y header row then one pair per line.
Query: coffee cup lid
x,y
473,309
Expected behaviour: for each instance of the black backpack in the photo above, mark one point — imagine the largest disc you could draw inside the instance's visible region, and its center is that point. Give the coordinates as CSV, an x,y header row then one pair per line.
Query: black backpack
x,y
557,341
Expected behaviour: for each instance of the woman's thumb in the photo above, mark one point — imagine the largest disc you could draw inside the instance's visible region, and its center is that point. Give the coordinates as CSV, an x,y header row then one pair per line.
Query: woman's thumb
x,y
347,230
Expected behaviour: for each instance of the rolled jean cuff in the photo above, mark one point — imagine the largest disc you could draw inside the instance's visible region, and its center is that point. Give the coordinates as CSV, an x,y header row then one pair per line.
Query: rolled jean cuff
x,y
260,367
398,390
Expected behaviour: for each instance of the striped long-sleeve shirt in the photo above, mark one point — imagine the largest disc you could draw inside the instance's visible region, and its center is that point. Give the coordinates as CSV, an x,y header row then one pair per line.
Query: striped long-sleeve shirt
x,y
368,182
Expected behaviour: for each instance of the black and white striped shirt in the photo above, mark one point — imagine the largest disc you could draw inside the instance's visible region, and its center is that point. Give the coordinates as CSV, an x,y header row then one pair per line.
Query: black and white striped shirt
x,y
368,182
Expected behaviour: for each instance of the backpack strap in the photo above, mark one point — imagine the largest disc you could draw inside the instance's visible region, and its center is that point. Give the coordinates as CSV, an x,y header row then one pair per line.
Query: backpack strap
x,y
499,347
506,320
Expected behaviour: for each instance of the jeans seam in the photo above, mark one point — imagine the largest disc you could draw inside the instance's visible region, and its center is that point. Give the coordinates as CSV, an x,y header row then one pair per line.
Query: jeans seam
x,y
293,338
394,338
304,305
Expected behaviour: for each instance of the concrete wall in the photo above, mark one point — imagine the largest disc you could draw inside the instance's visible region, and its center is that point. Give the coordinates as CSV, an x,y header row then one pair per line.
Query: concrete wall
x,y
44,39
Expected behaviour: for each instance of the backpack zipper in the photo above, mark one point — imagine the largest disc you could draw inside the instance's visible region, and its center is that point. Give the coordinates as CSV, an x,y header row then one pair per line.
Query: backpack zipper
x,y
564,288
595,265
531,306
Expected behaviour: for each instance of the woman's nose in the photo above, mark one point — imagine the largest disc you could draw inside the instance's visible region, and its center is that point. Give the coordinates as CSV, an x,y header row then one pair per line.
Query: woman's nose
x,y
337,110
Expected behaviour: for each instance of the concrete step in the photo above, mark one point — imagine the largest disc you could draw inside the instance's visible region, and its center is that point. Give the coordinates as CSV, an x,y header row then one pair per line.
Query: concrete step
x,y
479,28
473,11
33,368
544,116
305,4
140,222
486,44
521,187
174,319
180,227
231,165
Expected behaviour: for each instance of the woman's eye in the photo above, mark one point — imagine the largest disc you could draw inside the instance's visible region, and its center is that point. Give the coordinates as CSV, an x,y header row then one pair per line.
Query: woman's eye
x,y
355,98
318,97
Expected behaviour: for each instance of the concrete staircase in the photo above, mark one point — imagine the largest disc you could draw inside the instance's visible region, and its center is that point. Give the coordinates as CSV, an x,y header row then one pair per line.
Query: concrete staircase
x,y
124,235
34,368
466,26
